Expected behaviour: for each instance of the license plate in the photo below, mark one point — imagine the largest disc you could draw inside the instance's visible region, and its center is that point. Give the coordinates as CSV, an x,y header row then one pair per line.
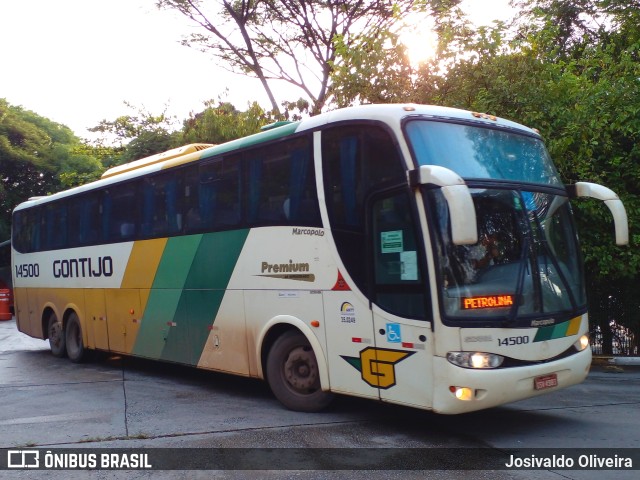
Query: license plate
x,y
546,381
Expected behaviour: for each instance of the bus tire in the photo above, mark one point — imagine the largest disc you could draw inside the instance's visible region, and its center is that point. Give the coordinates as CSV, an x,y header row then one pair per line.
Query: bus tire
x,y
73,336
56,336
293,376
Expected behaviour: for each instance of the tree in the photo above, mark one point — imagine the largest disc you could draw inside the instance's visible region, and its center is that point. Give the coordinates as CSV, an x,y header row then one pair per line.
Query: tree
x,y
561,28
34,155
372,69
221,122
139,135
294,41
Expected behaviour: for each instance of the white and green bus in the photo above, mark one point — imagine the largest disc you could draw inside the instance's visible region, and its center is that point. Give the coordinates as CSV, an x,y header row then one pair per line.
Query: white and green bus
x,y
417,255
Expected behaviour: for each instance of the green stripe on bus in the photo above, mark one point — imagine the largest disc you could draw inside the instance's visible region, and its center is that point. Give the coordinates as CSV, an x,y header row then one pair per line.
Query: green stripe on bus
x,y
176,262
165,295
187,291
154,327
204,287
220,250
552,332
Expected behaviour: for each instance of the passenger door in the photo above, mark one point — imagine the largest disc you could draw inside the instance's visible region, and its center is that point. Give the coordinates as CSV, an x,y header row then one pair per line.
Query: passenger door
x,y
401,364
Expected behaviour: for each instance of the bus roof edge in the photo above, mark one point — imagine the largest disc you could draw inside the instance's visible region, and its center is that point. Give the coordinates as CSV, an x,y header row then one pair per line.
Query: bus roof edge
x,y
157,158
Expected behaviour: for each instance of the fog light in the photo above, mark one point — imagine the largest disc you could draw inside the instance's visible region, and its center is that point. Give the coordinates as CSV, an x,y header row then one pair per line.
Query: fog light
x,y
462,393
582,343
475,360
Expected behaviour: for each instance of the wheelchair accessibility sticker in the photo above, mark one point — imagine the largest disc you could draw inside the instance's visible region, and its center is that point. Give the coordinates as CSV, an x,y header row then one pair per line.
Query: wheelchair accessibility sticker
x,y
378,365
393,333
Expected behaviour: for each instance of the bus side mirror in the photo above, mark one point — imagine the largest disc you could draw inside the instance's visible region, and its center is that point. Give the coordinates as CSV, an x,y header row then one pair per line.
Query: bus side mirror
x,y
611,200
458,198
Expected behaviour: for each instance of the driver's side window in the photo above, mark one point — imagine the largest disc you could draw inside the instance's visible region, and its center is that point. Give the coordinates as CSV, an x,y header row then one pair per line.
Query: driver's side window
x,y
399,285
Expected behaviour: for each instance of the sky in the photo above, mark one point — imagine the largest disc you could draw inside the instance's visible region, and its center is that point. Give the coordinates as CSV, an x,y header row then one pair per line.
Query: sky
x,y
77,61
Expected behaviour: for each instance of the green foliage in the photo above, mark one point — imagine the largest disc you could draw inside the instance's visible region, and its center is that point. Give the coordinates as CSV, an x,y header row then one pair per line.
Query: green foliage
x,y
371,68
138,135
37,156
221,122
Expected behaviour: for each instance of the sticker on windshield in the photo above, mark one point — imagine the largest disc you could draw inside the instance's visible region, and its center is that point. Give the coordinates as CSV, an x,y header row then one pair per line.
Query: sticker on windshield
x,y
392,242
409,265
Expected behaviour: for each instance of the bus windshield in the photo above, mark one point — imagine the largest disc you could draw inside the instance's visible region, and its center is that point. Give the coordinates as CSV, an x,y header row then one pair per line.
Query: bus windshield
x,y
483,153
526,262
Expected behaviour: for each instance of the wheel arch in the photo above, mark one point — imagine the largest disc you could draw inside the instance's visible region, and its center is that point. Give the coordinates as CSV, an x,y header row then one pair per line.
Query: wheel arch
x,y
276,327
69,309
50,308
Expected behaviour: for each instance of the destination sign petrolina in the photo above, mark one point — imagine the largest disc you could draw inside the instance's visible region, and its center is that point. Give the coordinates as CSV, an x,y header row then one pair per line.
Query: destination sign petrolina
x,y
487,301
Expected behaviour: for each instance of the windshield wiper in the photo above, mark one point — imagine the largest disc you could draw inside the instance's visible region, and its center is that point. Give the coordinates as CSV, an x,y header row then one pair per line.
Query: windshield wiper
x,y
548,255
513,313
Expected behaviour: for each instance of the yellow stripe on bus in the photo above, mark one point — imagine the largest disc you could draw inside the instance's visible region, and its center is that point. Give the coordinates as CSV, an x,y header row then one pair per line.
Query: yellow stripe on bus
x,y
143,263
574,326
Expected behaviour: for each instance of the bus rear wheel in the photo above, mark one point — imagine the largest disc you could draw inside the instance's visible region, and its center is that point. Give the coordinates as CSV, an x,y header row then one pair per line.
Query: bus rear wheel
x,y
56,336
73,336
292,373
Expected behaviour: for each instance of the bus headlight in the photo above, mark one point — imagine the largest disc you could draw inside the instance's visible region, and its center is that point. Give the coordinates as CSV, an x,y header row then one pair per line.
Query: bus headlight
x,y
582,343
475,360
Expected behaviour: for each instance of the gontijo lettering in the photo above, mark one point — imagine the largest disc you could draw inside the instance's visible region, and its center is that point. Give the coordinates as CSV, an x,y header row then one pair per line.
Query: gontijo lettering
x,y
489,301
83,267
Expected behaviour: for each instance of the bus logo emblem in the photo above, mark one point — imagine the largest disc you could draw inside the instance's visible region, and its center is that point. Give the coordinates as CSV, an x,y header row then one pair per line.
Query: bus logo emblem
x,y
377,365
23,459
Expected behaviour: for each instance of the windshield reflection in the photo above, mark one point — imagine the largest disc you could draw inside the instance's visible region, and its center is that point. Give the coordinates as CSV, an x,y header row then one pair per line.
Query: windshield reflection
x,y
483,153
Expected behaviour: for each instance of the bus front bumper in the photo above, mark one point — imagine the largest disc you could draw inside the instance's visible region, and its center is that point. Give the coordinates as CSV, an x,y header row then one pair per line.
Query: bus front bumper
x,y
460,390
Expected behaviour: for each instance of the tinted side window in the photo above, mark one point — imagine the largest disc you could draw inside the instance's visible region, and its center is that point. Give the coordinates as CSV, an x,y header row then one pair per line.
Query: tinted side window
x,y
85,220
161,205
281,187
26,230
55,225
212,195
272,185
357,161
119,212
399,286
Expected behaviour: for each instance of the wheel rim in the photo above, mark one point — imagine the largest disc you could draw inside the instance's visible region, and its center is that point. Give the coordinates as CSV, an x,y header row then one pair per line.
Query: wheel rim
x,y
301,370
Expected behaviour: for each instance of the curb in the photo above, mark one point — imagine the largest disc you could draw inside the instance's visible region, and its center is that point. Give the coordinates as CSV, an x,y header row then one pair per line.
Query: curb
x,y
615,364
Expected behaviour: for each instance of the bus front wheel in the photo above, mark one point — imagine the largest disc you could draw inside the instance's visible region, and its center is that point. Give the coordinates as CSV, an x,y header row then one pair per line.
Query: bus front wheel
x,y
292,373
55,333
73,336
